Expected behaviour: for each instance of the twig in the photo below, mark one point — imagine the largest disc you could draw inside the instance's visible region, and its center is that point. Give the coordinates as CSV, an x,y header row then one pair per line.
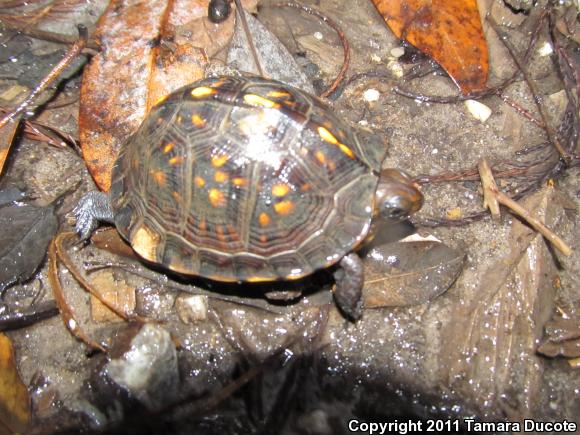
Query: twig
x,y
50,77
66,312
552,136
490,187
489,190
242,15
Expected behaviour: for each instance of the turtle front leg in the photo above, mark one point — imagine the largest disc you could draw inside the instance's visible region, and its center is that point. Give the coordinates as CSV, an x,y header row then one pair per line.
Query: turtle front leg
x,y
349,284
94,207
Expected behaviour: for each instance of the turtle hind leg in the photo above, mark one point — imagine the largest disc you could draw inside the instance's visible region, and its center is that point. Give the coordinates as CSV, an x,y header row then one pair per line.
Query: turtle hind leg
x,y
93,207
349,284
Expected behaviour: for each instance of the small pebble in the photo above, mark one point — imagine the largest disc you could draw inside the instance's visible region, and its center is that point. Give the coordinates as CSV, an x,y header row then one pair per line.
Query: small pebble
x,y
318,35
397,52
191,309
371,95
478,110
375,58
546,49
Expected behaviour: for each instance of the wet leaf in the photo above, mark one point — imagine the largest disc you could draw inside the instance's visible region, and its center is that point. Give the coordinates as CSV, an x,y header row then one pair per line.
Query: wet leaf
x,y
7,134
25,232
275,59
409,273
150,49
114,291
497,327
14,401
110,240
449,31
562,337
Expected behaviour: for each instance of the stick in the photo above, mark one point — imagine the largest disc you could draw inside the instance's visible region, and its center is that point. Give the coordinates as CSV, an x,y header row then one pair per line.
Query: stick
x,y
492,196
490,190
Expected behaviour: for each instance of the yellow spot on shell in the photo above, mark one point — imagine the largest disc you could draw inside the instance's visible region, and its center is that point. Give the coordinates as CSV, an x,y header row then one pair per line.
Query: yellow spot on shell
x,y
220,233
219,161
202,91
346,150
198,121
284,207
199,182
264,219
280,189
176,196
320,157
144,242
278,94
327,135
256,100
160,100
216,198
221,177
168,147
240,182
177,265
258,279
177,160
159,177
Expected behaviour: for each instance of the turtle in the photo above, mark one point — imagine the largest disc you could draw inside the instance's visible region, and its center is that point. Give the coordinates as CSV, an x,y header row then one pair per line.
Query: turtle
x,y
246,179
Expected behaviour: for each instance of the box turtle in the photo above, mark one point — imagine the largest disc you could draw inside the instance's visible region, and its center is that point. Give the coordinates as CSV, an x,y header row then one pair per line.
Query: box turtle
x,y
246,179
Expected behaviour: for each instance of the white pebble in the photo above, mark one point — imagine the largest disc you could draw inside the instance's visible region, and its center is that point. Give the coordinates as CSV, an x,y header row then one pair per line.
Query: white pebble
x,y
478,110
397,52
376,58
318,35
371,95
546,49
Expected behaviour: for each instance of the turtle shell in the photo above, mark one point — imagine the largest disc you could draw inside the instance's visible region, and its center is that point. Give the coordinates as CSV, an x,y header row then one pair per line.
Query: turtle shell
x,y
244,179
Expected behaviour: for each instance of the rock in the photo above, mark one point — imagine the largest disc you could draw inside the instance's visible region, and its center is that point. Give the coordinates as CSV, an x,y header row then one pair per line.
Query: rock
x,y
148,369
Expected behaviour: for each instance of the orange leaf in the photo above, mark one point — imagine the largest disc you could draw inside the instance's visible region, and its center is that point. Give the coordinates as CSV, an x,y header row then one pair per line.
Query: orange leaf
x,y
14,401
449,31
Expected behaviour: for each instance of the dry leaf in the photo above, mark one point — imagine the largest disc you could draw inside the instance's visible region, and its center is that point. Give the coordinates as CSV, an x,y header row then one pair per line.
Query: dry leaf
x,y
409,273
14,400
449,31
496,330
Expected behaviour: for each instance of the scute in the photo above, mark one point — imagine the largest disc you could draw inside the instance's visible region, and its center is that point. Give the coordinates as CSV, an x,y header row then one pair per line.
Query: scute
x,y
244,179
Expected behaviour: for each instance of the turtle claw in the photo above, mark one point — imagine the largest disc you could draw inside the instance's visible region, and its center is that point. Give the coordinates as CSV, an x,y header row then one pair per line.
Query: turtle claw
x,y
92,208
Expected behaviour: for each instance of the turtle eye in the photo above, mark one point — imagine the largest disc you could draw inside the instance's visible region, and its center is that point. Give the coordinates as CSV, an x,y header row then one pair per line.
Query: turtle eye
x,y
396,213
395,209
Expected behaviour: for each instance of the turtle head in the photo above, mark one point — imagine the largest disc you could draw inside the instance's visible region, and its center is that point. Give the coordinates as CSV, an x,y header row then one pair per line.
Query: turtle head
x,y
397,196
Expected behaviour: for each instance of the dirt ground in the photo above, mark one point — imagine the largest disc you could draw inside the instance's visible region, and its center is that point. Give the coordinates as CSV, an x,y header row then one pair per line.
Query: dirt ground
x,y
470,353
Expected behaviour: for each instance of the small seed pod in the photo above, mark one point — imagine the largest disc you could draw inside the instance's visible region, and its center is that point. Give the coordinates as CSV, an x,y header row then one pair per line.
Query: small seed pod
x,y
218,10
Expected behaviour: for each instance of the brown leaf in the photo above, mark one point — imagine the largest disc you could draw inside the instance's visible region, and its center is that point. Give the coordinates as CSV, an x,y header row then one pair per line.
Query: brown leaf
x,y
562,337
149,49
449,31
7,134
409,273
115,292
495,329
109,240
14,400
